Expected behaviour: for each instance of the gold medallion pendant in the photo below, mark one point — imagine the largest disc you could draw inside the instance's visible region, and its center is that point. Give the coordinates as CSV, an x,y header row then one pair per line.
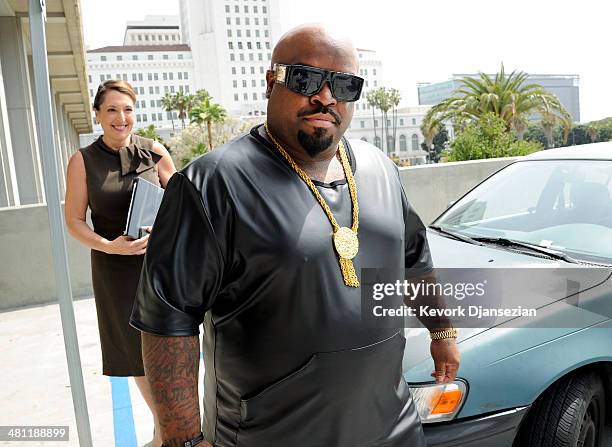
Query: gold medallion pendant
x,y
344,239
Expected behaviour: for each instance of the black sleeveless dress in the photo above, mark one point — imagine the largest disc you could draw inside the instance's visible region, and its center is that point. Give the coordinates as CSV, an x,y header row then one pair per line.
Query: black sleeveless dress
x,y
110,177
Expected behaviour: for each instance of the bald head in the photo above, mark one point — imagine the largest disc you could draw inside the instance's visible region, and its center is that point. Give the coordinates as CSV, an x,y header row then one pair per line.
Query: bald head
x,y
310,41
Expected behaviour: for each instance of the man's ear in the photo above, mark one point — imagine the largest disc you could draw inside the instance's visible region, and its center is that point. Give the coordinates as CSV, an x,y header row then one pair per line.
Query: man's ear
x,y
269,83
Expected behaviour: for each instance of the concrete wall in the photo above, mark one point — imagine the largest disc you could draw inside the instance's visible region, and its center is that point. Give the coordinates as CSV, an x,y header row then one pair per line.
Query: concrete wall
x,y
26,272
430,188
26,268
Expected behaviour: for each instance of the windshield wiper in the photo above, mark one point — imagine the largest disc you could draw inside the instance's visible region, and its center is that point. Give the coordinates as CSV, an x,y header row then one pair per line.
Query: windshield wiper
x,y
511,243
455,235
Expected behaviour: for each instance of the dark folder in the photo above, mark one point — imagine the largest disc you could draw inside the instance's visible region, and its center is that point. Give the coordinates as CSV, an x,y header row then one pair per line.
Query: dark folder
x,y
146,198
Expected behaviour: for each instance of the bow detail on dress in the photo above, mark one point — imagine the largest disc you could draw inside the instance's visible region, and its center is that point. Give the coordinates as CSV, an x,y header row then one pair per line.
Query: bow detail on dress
x,y
137,159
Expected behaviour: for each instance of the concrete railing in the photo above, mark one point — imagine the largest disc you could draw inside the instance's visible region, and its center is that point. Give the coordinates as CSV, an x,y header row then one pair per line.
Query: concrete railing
x,y
26,272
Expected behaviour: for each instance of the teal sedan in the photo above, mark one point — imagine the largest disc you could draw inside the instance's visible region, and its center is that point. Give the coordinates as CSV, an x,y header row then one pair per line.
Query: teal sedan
x,y
546,383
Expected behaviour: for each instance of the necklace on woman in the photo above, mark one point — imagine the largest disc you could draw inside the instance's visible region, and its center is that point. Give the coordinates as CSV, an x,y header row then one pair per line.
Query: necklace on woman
x,y
344,238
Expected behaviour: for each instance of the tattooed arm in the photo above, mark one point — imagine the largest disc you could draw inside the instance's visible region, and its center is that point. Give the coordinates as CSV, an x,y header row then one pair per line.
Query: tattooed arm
x,y
171,366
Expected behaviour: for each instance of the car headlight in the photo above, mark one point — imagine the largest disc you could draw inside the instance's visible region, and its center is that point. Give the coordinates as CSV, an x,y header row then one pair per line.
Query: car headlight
x,y
437,402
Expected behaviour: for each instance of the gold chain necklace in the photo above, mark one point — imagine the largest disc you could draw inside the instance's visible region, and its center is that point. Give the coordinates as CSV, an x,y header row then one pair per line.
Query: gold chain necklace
x,y
345,239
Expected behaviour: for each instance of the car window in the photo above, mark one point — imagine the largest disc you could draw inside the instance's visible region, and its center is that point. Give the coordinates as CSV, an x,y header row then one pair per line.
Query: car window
x,y
560,204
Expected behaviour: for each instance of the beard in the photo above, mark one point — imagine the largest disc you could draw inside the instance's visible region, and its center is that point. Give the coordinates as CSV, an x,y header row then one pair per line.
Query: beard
x,y
316,143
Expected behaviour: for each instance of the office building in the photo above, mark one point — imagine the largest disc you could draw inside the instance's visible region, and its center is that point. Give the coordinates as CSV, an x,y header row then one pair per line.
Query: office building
x,y
153,30
231,42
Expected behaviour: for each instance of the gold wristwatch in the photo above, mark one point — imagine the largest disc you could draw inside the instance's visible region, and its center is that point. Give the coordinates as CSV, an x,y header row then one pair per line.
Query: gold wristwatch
x,y
441,335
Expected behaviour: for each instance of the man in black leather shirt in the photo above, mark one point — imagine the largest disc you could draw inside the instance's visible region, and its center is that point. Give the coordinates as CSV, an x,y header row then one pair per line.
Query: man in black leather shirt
x,y
262,240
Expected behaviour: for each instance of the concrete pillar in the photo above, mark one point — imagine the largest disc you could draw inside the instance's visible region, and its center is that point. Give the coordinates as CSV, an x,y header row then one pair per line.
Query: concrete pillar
x,y
20,108
9,193
59,147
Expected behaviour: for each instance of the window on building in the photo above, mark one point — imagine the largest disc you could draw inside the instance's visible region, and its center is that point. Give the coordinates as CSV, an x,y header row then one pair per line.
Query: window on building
x,y
255,9
246,9
150,76
159,115
261,70
362,124
235,83
108,76
258,45
401,121
103,58
172,89
124,76
254,96
140,37
236,8
180,56
181,89
256,31
153,37
229,33
146,36
264,10
119,58
228,21
150,90
375,123
245,96
149,57
240,45
388,123
140,76
166,38
165,56
260,56
238,33
235,96
237,20
134,57
156,76
263,95
165,76
144,117
180,75
171,76
266,33
256,21
251,56
227,8
152,102
101,78
265,22
157,89
248,33
142,90
403,145
169,115
374,71
230,45
267,45
414,121
158,104
153,117
166,89
233,70
269,56
253,83
415,142
241,56
377,142
244,84
249,45
252,70
247,21
243,70
375,83
232,57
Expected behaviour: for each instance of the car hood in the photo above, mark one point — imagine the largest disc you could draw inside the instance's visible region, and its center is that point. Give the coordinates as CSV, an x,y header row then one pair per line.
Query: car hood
x,y
451,253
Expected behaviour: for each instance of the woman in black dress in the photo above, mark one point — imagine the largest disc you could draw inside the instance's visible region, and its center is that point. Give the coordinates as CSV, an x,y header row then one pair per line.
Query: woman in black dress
x,y
100,177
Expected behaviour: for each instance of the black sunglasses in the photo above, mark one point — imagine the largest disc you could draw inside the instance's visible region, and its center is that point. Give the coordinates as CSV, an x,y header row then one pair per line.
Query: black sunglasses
x,y
308,81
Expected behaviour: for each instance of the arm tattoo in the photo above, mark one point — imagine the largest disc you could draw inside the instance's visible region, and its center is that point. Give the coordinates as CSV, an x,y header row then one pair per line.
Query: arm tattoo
x,y
171,366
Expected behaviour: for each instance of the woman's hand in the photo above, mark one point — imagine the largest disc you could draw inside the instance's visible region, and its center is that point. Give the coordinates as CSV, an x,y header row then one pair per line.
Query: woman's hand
x,y
124,245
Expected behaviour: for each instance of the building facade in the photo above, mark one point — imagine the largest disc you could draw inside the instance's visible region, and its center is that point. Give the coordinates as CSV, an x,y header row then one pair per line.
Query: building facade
x,y
408,137
153,30
564,87
231,42
153,71
21,176
370,69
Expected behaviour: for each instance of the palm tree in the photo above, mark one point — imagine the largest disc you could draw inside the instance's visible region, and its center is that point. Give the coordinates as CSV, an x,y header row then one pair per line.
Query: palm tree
x,y
372,102
169,105
394,98
183,103
207,112
507,96
593,132
552,113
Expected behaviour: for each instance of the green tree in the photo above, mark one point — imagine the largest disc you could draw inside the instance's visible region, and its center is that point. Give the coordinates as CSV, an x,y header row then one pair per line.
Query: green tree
x,y
207,112
488,138
437,145
151,133
372,100
169,105
509,97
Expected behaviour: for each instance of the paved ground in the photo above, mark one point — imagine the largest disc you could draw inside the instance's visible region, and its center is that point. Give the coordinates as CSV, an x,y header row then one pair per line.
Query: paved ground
x,y
35,389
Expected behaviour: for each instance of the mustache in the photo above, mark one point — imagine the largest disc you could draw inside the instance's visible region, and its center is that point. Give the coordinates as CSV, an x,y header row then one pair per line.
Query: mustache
x,y
323,110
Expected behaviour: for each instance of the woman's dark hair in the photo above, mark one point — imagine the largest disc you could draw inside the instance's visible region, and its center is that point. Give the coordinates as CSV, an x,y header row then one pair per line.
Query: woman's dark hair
x,y
114,84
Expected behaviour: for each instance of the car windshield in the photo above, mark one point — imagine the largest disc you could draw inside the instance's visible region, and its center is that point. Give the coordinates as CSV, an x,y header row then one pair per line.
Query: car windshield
x,y
564,205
